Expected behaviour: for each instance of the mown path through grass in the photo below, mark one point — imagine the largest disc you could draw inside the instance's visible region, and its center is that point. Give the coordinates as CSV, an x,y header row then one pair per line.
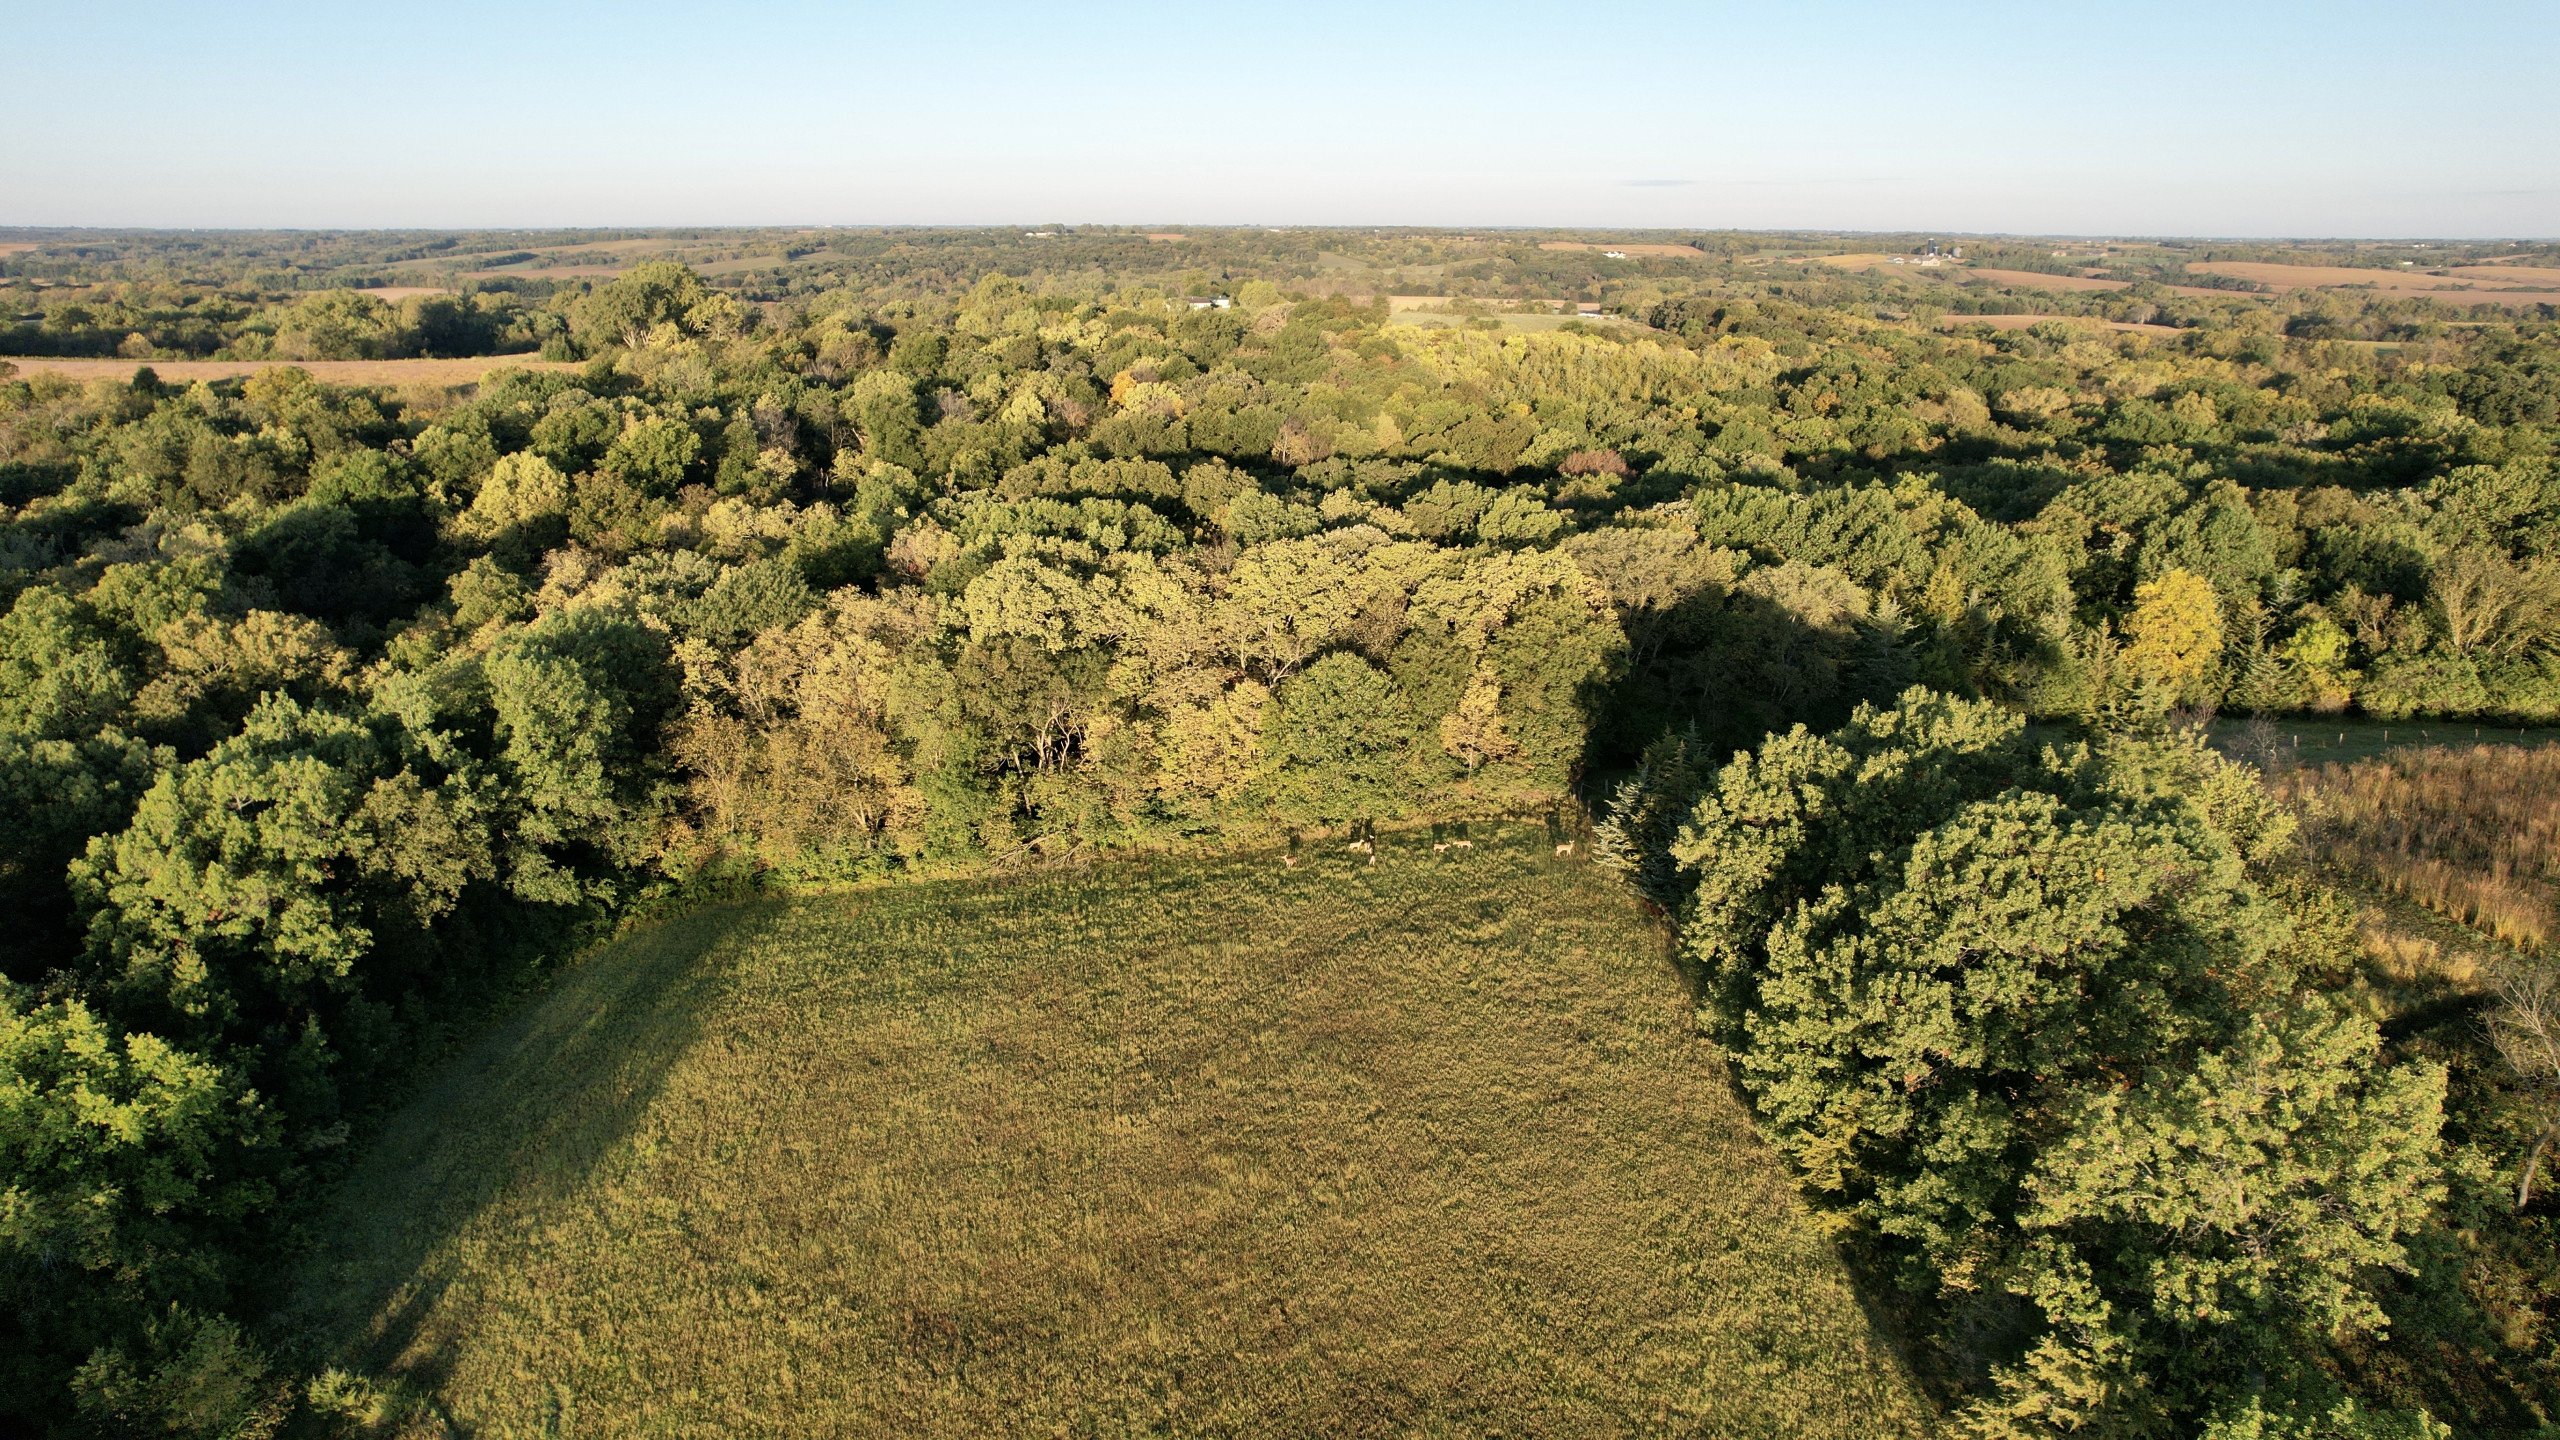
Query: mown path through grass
x,y
1163,1146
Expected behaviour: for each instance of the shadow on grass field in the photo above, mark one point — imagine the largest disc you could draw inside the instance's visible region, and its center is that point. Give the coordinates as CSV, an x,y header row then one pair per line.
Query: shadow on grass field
x,y
2315,740
1161,1146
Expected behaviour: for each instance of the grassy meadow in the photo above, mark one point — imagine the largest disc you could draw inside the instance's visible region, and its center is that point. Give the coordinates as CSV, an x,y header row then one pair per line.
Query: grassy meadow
x,y
1200,1146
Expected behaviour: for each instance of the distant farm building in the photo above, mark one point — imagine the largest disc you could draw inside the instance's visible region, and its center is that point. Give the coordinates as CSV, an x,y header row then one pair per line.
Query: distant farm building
x,y
1208,302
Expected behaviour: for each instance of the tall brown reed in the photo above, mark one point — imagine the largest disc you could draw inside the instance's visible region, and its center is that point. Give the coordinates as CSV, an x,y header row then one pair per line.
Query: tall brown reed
x,y
2471,832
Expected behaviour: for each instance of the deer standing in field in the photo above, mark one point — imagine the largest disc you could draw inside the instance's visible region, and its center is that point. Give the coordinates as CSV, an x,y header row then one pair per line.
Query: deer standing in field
x,y
1291,861
1565,849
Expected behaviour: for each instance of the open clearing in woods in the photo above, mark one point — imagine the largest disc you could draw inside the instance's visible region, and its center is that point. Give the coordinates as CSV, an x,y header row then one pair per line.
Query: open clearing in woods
x,y
1201,1146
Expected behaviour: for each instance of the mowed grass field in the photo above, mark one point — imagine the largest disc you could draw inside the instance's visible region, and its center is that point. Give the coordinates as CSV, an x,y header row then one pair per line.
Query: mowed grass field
x,y
1192,1146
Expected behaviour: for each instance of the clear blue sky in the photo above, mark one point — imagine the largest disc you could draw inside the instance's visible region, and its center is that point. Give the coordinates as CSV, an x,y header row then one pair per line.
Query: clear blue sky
x,y
2236,118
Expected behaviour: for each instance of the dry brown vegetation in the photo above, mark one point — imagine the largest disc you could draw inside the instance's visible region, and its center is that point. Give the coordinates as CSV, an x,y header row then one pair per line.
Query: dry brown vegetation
x,y
2472,833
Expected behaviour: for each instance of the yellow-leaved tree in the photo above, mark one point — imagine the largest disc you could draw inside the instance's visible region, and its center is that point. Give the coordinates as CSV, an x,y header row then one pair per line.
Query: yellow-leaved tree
x,y
2173,638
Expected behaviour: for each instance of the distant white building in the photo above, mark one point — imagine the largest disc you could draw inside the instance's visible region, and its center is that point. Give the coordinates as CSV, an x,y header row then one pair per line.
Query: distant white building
x,y
1208,302
1613,254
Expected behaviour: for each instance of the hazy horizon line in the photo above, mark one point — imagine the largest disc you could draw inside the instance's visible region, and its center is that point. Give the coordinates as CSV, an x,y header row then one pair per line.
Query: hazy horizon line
x,y
1065,227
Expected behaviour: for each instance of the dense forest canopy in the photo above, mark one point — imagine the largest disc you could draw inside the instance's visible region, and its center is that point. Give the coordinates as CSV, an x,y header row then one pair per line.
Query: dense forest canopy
x,y
329,712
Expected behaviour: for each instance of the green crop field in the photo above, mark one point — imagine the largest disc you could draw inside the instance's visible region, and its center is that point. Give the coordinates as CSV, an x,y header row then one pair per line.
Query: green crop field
x,y
1161,1146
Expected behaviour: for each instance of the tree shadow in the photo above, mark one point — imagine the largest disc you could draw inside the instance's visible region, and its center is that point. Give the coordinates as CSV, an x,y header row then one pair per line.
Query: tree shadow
x,y
1731,667
524,1116
1940,1353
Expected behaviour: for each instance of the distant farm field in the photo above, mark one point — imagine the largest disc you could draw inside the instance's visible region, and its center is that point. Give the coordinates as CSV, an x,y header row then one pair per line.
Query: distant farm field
x,y
2500,272
342,372
1650,252
1186,1147
2038,280
2293,277
2460,285
536,270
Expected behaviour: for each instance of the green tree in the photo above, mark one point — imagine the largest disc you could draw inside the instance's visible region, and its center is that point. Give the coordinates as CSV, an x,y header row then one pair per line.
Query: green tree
x,y
1334,745
577,700
131,1184
624,310
2030,1016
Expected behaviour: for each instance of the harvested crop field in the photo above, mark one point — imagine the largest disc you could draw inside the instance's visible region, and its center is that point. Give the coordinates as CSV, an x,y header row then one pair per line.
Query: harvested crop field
x,y
2038,280
337,372
2547,276
1650,252
2484,284
1196,1146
